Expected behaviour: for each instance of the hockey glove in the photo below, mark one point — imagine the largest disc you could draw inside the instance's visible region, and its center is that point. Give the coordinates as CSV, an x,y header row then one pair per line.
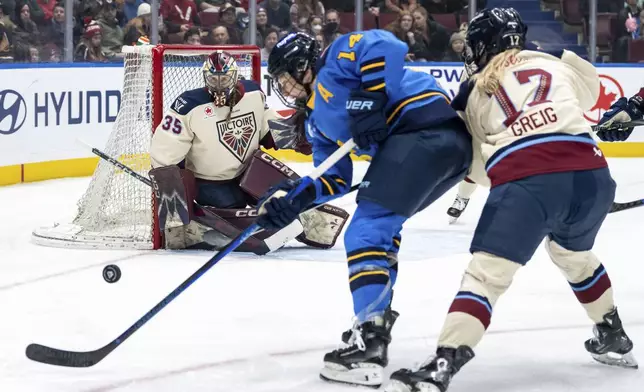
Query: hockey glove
x,y
276,212
367,119
622,111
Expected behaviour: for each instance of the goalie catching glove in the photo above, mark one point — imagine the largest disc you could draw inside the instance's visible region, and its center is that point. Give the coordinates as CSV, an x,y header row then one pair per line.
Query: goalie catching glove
x,y
610,127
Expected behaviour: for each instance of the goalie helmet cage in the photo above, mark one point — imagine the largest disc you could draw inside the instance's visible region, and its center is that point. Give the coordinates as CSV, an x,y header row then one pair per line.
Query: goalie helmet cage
x,y
116,209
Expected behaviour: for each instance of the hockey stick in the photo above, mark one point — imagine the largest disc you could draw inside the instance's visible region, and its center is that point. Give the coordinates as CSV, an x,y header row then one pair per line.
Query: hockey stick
x,y
634,123
53,356
617,207
148,182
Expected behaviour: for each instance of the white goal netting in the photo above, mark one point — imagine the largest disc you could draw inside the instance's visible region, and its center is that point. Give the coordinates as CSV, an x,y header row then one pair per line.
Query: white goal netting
x,y
116,209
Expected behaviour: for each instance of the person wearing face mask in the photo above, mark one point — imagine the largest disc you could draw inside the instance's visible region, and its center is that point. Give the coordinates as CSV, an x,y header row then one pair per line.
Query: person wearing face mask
x,y
315,25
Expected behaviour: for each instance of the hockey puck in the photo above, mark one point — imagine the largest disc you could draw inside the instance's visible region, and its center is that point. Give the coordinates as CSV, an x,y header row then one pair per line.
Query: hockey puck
x,y
111,273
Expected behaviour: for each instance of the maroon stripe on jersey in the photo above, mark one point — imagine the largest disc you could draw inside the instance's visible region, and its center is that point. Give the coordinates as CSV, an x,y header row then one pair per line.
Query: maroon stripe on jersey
x,y
543,158
474,308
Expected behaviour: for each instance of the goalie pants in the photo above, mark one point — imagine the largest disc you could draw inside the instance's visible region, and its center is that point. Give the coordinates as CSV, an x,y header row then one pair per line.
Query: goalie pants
x,y
408,173
568,210
221,194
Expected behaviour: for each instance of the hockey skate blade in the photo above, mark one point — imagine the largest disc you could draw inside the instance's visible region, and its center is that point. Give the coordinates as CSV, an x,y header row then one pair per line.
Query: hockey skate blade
x,y
627,360
368,375
398,386
452,219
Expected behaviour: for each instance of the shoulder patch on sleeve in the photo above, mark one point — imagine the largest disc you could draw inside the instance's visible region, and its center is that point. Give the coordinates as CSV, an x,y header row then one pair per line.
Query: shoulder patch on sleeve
x,y
189,100
460,100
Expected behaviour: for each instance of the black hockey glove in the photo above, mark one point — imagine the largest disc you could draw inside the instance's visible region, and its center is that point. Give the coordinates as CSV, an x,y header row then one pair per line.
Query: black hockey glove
x,y
367,119
276,212
622,111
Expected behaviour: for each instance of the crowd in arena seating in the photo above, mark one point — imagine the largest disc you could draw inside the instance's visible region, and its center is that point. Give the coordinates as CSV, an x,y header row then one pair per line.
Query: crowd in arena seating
x,y
33,30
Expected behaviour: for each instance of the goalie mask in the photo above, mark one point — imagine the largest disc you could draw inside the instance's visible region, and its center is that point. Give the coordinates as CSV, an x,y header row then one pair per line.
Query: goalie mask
x,y
491,32
221,75
288,62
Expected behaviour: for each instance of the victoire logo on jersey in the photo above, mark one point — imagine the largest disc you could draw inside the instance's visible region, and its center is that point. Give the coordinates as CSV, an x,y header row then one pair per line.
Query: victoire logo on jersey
x,y
237,134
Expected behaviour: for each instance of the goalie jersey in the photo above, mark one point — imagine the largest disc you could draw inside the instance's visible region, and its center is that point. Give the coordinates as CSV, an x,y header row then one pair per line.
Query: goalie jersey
x,y
371,60
213,147
533,123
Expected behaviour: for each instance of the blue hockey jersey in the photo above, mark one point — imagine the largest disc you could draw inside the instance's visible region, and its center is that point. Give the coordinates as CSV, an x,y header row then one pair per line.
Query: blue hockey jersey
x,y
374,61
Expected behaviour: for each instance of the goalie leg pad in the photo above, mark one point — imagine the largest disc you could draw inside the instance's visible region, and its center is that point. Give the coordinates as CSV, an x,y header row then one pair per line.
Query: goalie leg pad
x,y
322,226
174,191
263,172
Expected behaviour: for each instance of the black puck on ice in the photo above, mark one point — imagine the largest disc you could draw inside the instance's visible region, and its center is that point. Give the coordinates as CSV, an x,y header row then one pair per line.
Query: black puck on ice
x,y
111,273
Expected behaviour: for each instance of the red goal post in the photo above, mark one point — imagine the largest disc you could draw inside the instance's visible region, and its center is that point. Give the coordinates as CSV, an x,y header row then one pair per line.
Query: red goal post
x,y
116,210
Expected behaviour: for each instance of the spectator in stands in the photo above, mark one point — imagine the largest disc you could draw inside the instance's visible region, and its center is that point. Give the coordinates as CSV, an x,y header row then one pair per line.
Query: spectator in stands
x,y
53,31
34,55
47,7
623,36
434,35
278,13
90,48
131,9
331,28
320,40
219,35
192,36
400,5
269,43
110,30
51,53
402,28
228,18
314,25
35,12
210,5
262,28
456,46
6,46
307,8
26,33
139,26
179,15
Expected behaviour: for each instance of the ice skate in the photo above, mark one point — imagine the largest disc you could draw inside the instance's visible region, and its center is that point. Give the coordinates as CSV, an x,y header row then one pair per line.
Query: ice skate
x,y
363,361
455,211
434,375
390,317
611,345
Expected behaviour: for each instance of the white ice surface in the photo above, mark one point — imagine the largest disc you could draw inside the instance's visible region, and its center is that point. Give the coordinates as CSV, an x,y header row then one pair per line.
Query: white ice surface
x,y
256,324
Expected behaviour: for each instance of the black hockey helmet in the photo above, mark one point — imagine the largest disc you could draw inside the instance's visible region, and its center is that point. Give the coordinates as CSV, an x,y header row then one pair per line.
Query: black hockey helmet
x,y
294,54
491,32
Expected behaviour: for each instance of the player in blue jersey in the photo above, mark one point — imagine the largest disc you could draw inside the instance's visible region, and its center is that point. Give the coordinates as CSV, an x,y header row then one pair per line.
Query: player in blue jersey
x,y
358,88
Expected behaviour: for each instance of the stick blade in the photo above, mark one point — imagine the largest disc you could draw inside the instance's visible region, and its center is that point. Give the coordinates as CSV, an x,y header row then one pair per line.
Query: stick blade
x,y
54,356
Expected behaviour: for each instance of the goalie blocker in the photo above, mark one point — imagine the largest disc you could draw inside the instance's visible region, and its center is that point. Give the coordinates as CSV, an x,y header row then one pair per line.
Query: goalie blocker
x,y
187,225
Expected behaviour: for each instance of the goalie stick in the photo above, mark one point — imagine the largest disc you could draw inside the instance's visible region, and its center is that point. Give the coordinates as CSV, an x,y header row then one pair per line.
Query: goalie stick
x,y
54,356
148,182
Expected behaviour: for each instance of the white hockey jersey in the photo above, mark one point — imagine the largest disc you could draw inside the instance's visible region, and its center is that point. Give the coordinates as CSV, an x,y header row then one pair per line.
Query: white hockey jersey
x,y
196,130
534,122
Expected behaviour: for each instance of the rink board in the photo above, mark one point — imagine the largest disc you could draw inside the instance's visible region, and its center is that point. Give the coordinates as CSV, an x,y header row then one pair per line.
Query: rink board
x,y
45,109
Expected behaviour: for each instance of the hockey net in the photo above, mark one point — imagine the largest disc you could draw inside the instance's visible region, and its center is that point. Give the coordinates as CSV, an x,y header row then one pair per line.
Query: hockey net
x,y
116,209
